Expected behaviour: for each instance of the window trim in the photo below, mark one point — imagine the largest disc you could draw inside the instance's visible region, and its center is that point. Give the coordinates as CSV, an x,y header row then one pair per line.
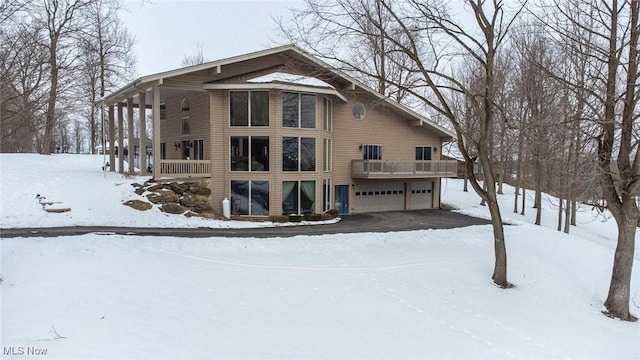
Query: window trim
x,y
328,154
249,150
249,122
185,126
299,193
299,103
299,158
328,114
249,200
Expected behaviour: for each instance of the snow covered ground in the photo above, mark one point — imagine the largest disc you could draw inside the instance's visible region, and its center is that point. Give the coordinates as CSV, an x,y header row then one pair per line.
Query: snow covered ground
x,y
420,294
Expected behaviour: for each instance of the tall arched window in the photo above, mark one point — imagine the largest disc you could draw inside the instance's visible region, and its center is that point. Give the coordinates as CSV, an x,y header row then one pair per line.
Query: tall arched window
x,y
184,111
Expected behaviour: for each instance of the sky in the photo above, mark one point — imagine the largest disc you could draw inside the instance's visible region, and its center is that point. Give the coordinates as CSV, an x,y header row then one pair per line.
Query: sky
x,y
168,30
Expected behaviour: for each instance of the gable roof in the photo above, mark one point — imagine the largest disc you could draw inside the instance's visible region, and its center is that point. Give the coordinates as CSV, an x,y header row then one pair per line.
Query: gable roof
x,y
326,73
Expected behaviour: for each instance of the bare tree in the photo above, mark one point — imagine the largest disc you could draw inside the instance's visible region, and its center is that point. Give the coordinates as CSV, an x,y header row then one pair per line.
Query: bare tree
x,y
608,44
431,39
60,23
105,50
23,80
194,59
325,28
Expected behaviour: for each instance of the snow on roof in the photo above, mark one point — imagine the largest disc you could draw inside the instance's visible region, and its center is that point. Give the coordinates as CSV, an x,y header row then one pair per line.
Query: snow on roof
x,y
280,77
451,150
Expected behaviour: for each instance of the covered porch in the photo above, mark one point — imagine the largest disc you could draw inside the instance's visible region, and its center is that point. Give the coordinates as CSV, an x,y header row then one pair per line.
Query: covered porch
x,y
131,106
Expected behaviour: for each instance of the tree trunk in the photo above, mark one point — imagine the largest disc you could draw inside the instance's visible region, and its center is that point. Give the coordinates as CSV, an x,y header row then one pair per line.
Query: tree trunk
x,y
465,187
47,141
500,267
617,302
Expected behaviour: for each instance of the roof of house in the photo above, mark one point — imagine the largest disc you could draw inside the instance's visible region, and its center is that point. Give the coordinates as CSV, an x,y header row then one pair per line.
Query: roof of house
x,y
324,73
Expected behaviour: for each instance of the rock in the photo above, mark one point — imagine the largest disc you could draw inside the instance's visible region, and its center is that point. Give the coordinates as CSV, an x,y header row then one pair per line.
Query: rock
x,y
202,207
155,188
139,191
137,185
138,204
199,190
178,188
171,208
163,196
188,200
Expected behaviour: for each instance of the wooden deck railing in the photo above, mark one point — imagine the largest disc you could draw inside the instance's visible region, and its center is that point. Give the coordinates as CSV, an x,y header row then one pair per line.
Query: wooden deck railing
x,y
390,169
185,168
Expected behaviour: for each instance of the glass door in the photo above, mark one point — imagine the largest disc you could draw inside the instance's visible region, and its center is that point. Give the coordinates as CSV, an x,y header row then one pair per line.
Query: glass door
x,y
342,199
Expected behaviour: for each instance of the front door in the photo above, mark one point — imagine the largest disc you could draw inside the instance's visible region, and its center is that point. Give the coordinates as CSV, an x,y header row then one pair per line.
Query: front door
x,y
423,158
186,150
342,199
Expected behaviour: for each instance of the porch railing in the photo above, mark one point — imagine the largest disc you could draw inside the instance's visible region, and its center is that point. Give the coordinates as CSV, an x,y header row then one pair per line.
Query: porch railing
x,y
391,169
185,168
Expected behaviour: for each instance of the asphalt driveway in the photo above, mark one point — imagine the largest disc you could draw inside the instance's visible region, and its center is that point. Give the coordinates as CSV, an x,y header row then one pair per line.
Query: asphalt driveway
x,y
371,222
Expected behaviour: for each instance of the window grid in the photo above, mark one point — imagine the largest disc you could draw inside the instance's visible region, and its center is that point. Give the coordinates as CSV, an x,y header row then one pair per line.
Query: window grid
x,y
298,153
249,153
328,115
298,110
249,108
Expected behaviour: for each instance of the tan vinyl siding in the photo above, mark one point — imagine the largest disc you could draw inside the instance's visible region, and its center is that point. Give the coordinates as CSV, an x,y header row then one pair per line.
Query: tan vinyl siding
x,y
171,127
379,127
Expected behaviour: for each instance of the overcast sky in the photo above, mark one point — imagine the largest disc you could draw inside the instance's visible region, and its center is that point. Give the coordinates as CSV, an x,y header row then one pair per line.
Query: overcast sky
x,y
168,30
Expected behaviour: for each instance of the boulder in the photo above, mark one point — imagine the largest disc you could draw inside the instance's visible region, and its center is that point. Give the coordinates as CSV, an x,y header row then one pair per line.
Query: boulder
x,y
171,208
188,200
163,196
138,204
199,190
178,188
155,188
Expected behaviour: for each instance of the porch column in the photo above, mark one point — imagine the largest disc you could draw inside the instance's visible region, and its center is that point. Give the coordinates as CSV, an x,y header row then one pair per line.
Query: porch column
x,y
112,135
120,139
155,112
142,133
130,141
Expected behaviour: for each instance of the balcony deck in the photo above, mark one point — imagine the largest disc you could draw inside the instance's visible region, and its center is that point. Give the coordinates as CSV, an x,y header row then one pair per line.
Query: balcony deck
x,y
185,168
390,169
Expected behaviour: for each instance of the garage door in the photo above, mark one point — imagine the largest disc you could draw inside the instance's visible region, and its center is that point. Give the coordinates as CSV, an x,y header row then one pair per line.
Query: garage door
x,y
379,196
421,195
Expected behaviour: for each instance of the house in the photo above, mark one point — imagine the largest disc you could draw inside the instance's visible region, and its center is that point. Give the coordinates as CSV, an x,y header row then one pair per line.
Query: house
x,y
280,132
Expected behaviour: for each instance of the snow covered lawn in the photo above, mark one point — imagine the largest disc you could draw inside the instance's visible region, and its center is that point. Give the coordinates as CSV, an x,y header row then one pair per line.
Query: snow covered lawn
x,y
421,294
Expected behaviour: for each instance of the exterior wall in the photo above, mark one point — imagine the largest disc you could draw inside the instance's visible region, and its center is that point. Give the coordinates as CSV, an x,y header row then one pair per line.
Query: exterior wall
x,y
209,120
379,127
171,126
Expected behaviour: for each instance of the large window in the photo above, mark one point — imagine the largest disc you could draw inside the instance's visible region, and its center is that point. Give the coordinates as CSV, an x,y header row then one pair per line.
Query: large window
x,y
372,152
298,110
328,114
249,153
298,197
198,149
184,111
328,154
249,108
423,158
326,194
298,154
249,197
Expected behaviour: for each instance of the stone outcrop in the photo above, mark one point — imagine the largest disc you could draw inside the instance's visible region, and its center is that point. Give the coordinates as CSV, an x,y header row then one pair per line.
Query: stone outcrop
x,y
138,204
188,198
